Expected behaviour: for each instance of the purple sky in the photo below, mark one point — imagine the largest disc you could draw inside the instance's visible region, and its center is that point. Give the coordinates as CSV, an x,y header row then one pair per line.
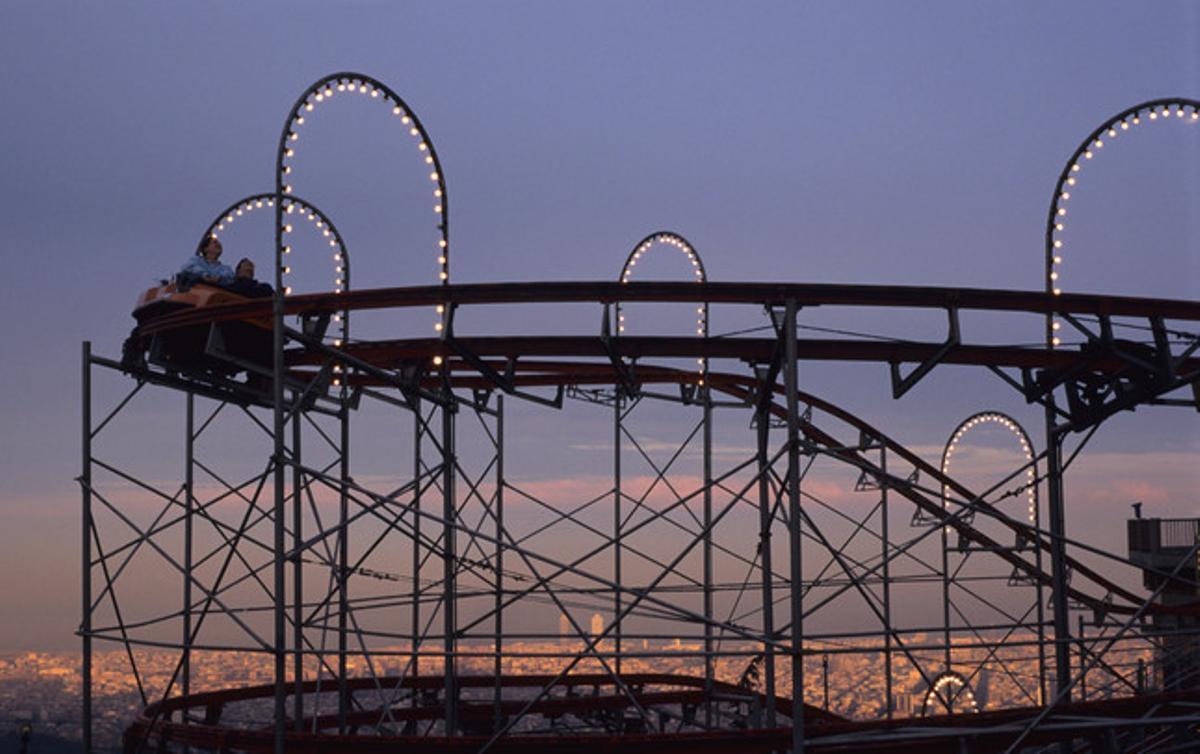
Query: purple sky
x,y
909,143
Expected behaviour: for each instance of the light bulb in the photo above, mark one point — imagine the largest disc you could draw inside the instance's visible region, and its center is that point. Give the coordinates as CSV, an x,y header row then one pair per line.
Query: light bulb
x,y
1055,341
287,291
437,326
437,361
443,275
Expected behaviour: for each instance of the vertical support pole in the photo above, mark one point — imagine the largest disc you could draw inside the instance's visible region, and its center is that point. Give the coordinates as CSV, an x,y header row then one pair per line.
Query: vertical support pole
x,y
887,585
947,659
795,542
709,670
279,461
497,645
449,564
618,420
343,565
189,510
1040,596
763,422
85,479
415,645
1082,662
825,681
297,586
1058,557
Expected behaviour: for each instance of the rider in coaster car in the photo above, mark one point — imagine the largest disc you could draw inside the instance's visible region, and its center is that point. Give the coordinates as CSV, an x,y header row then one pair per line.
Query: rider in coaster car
x,y
204,267
244,283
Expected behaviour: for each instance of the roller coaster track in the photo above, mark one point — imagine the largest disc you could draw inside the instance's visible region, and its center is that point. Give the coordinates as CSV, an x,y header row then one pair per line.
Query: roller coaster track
x,y
546,361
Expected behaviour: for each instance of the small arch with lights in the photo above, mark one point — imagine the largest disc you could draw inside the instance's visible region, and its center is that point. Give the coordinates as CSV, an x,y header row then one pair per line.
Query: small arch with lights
x,y
677,241
1013,426
952,693
340,85
1157,110
302,209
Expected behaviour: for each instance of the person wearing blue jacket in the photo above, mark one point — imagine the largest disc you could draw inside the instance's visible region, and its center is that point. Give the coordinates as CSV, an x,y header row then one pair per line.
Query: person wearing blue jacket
x,y
205,267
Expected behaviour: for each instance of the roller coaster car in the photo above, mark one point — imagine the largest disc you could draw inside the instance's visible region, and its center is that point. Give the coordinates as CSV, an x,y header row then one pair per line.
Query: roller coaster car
x,y
216,349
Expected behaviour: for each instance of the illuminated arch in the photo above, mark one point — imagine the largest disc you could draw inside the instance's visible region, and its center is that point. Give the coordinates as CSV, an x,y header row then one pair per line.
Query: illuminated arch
x,y
668,238
293,205
350,83
305,210
1170,108
1012,425
952,691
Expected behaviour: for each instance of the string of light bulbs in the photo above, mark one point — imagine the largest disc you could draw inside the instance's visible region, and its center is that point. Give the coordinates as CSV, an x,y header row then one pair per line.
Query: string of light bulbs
x,y
1007,422
1125,122
296,207
669,238
338,86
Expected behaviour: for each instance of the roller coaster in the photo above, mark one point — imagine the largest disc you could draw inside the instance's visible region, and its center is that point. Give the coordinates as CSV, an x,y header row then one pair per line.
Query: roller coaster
x,y
403,595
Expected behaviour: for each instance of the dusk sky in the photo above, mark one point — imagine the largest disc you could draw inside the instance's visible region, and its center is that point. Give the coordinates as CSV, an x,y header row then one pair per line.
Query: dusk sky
x,y
911,143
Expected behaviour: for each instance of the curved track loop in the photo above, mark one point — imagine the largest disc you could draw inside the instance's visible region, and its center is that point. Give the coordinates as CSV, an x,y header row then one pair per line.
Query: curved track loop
x,y
516,352
605,292
990,730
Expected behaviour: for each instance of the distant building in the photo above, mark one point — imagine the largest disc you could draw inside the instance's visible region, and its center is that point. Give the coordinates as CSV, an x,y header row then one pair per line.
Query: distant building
x,y
597,624
564,628
1163,548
